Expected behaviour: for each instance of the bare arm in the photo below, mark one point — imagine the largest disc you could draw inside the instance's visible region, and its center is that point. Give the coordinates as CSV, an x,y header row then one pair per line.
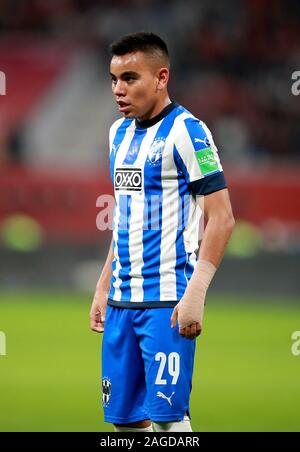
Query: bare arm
x,y
220,224
98,308
189,311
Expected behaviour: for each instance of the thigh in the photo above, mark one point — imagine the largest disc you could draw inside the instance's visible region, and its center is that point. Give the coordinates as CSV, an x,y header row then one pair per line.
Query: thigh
x,y
169,361
123,375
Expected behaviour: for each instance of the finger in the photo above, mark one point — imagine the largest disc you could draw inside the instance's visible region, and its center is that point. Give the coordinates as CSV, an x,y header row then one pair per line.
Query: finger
x,y
174,317
95,322
102,316
193,331
190,331
97,327
187,331
198,329
94,318
101,328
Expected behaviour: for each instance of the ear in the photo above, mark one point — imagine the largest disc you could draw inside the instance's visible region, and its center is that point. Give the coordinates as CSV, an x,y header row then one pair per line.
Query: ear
x,y
162,78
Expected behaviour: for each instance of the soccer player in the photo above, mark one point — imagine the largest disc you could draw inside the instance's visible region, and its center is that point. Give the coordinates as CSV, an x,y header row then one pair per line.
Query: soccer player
x,y
149,300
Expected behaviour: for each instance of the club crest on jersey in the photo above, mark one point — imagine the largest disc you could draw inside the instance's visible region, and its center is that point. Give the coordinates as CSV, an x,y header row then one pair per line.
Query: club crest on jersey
x,y
156,150
106,391
128,179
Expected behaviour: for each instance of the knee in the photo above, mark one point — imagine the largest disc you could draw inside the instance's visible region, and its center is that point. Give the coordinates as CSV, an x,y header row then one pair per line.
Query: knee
x,y
177,426
142,426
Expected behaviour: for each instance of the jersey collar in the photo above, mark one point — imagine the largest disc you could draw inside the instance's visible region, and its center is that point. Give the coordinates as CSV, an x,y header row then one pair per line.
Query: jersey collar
x,y
150,122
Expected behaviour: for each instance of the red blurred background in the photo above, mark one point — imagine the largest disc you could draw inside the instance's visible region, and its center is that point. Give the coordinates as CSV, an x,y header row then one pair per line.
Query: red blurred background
x,y
232,66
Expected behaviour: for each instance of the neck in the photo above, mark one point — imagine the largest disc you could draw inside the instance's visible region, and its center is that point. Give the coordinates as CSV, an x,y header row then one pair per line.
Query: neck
x,y
157,108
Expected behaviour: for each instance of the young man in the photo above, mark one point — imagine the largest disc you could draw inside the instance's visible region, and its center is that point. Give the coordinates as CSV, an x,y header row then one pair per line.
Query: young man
x,y
149,299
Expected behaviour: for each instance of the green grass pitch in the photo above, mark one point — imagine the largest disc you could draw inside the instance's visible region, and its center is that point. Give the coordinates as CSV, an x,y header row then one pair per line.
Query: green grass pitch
x,y
246,378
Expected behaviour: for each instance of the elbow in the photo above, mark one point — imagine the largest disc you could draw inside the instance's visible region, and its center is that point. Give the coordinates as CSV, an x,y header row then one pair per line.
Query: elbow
x,y
227,222
231,223
224,220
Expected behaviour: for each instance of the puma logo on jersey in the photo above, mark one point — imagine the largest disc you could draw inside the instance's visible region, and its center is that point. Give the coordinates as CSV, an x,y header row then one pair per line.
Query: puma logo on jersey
x,y
205,141
129,179
163,396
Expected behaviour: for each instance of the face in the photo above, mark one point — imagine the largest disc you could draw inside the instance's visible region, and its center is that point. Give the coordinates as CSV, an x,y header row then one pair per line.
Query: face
x,y
138,86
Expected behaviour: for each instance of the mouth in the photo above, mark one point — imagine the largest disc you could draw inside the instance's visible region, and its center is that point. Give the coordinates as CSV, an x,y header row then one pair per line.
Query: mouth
x,y
123,106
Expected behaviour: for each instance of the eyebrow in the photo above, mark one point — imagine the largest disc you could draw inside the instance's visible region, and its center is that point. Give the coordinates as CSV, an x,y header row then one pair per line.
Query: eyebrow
x,y
124,74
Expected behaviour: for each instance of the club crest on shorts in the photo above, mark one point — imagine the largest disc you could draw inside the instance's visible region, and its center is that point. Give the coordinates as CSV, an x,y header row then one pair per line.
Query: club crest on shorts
x,y
156,150
106,391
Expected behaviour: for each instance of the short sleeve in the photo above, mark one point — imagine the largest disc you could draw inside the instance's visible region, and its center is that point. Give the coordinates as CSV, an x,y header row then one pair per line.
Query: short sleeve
x,y
197,158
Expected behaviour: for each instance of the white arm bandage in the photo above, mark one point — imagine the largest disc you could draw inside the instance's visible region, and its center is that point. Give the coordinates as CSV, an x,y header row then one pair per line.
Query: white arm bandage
x,y
191,306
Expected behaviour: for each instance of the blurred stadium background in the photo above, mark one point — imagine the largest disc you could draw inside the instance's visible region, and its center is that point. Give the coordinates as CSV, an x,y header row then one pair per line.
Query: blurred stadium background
x,y
232,66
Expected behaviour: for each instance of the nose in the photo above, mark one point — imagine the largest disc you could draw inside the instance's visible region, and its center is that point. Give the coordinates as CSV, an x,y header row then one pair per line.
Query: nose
x,y
119,88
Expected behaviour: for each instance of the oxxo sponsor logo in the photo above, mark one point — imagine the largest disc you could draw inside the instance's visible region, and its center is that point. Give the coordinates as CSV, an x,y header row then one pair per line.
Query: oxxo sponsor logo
x,y
2,344
296,343
2,84
296,84
128,179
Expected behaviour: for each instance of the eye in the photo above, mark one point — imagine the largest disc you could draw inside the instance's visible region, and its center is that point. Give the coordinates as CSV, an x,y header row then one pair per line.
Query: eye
x,y
129,78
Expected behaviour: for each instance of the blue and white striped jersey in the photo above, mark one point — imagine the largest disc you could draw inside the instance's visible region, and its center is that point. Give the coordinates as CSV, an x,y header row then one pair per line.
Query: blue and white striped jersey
x,y
157,168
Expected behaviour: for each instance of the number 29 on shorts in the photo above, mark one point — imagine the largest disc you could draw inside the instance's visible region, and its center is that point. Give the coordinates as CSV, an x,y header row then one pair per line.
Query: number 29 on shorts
x,y
173,367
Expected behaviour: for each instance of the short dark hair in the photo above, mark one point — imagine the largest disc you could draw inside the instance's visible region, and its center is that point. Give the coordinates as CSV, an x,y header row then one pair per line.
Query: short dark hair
x,y
140,42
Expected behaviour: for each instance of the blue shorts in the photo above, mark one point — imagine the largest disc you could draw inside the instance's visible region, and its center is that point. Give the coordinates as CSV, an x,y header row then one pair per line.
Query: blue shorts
x,y
147,366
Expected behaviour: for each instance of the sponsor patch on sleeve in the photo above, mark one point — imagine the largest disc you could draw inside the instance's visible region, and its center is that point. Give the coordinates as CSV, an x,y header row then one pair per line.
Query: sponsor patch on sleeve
x,y
207,161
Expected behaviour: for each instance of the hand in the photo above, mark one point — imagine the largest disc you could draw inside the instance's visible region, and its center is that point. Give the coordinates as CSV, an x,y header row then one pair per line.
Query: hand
x,y
98,310
190,326
190,309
